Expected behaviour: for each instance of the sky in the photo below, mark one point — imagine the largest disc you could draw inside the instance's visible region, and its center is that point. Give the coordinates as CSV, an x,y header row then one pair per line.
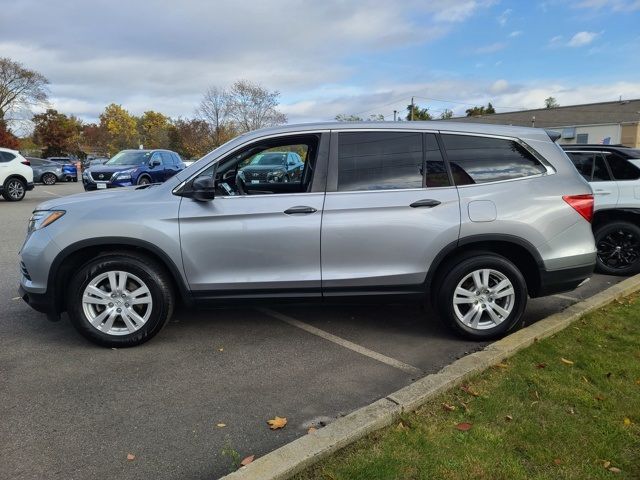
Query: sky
x,y
327,57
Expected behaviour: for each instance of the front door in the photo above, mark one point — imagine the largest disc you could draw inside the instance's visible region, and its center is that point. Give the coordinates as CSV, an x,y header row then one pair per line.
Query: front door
x,y
260,235
392,210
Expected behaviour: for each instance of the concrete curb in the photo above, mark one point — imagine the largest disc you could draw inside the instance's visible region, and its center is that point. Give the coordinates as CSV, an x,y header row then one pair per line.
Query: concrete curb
x,y
294,457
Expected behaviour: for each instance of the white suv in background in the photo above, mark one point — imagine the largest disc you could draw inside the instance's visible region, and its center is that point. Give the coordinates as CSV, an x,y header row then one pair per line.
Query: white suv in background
x,y
614,174
16,176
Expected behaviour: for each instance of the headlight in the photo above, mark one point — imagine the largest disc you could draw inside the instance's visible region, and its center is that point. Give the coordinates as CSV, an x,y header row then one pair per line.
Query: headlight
x,y
41,218
124,175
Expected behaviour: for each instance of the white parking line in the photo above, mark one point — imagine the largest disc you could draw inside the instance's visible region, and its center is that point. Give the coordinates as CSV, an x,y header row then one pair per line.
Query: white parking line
x,y
51,193
410,369
567,297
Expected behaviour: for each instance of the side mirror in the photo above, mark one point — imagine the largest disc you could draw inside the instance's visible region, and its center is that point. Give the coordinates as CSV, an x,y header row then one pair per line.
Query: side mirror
x,y
202,189
154,163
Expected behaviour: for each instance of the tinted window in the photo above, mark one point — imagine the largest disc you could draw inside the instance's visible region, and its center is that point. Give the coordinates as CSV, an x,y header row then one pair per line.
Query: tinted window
x,y
600,172
484,159
621,168
166,158
379,161
36,162
583,163
436,173
6,156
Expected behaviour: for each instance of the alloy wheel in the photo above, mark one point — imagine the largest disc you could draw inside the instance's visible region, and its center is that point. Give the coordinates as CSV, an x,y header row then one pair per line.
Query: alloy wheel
x,y
483,299
619,249
117,303
15,189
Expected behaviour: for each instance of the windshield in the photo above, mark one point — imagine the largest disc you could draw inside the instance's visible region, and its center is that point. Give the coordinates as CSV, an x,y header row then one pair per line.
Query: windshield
x,y
130,157
269,159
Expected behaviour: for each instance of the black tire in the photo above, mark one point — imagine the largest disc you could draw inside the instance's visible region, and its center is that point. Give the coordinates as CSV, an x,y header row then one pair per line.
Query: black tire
x,y
49,178
618,245
155,278
456,271
144,180
14,189
75,179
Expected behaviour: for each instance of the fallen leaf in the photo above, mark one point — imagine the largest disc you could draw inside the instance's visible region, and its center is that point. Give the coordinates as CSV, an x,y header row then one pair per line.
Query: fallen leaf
x,y
606,464
221,425
221,349
585,380
464,426
401,426
502,365
557,461
469,390
627,421
276,423
465,406
131,456
247,460
541,365
508,418
599,397
638,381
565,361
448,408
571,411
312,429
614,470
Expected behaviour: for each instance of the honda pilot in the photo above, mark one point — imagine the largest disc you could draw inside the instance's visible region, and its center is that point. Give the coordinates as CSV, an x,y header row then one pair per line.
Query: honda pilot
x,y
474,218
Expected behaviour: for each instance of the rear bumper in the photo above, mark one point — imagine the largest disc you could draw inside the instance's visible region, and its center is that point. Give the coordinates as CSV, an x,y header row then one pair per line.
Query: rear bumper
x,y
564,280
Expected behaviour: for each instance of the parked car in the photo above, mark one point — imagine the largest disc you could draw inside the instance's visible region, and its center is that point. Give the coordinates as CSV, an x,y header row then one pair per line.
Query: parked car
x,y
69,168
614,174
46,171
16,176
273,167
133,167
382,211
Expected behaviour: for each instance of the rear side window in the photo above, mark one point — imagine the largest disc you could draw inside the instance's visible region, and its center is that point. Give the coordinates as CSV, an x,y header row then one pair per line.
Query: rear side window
x,y
379,161
6,156
485,159
600,172
621,168
583,163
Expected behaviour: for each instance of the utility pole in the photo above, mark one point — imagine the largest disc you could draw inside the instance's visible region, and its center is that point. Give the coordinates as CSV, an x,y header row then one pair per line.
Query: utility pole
x,y
395,114
412,108
533,121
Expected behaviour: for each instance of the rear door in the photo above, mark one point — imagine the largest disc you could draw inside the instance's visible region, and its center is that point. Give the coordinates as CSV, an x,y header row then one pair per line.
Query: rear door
x,y
390,209
627,177
592,166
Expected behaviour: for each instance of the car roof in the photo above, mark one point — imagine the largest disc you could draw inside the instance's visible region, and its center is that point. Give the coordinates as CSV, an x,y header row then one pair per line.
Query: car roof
x,y
596,146
431,125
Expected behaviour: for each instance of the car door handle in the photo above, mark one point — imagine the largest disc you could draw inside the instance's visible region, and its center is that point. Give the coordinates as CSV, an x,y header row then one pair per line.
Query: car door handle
x,y
300,210
426,202
602,192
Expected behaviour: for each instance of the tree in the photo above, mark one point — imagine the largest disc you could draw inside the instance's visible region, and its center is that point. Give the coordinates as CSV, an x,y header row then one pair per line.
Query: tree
x,y
251,106
153,128
7,138
550,102
214,109
446,114
93,139
418,113
20,88
489,110
479,111
190,138
342,117
57,133
120,128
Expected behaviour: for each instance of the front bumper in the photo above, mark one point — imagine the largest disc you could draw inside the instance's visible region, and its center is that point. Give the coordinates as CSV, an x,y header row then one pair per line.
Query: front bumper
x,y
89,185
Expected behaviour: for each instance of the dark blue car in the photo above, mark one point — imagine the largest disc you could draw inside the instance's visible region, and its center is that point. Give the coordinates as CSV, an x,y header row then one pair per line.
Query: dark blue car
x,y
133,167
69,168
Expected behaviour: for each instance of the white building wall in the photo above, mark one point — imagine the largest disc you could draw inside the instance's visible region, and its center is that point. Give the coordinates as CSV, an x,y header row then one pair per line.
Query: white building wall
x,y
596,133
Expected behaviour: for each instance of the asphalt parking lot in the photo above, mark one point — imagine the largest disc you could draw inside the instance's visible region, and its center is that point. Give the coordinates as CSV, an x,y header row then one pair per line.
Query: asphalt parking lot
x,y
72,410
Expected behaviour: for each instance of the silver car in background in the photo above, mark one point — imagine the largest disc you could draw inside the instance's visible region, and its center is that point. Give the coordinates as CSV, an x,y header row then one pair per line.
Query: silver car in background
x,y
474,218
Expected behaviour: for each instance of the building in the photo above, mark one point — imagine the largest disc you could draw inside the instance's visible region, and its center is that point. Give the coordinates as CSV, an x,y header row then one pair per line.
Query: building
x,y
605,122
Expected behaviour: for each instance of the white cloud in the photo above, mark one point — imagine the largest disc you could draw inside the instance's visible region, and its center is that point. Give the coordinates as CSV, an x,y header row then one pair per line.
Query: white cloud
x,y
503,18
491,48
515,33
581,39
499,86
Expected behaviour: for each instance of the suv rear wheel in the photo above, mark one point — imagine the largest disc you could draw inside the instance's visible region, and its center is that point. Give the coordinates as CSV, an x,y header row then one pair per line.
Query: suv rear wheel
x,y
118,300
482,296
618,245
14,190
49,179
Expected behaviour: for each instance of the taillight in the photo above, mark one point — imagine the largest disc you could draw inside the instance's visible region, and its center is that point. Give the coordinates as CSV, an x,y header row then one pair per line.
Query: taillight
x,y
583,204
26,162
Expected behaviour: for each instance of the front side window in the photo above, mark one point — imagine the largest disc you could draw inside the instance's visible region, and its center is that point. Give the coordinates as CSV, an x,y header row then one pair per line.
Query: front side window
x,y
262,168
475,159
379,161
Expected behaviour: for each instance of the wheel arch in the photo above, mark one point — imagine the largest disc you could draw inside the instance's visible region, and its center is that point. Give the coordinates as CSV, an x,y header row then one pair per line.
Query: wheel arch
x,y
602,217
15,175
517,250
75,255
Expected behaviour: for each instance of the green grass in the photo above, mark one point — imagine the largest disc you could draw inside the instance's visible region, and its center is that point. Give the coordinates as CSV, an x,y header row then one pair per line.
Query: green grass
x,y
567,420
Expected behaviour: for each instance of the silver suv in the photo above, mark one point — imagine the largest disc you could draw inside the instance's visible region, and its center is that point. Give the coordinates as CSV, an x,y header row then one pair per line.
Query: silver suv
x,y
475,218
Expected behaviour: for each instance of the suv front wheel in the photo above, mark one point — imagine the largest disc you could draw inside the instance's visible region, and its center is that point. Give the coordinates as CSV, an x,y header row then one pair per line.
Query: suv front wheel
x,y
483,296
118,300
